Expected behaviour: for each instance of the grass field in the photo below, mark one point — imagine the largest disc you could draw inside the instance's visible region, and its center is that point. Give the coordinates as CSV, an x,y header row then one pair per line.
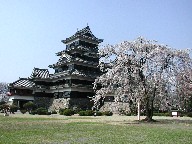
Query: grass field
x,y
93,130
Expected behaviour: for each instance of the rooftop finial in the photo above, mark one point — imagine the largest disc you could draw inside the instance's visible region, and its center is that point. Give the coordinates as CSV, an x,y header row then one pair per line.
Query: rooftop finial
x,y
87,24
77,29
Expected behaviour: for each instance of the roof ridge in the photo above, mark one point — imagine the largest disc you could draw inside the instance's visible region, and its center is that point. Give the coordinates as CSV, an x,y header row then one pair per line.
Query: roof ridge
x,y
39,69
82,33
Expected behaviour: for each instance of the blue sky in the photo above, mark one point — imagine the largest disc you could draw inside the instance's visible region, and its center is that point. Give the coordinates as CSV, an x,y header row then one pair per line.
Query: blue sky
x,y
31,30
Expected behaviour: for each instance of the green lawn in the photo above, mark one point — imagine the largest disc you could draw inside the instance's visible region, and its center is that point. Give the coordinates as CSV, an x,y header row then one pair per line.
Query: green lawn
x,y
71,131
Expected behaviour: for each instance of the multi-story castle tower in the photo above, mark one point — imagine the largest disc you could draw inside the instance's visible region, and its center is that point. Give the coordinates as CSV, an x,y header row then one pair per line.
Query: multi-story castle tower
x,y
76,69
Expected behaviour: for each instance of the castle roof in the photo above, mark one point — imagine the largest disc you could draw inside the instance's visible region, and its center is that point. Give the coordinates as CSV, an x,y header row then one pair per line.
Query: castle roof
x,y
64,61
23,83
74,73
83,33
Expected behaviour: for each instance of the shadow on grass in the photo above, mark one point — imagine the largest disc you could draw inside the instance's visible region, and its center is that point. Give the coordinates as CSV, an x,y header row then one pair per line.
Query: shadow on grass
x,y
163,121
174,121
160,121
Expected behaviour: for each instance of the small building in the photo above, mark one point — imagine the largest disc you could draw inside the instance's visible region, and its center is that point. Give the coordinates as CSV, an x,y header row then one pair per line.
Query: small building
x,y
21,91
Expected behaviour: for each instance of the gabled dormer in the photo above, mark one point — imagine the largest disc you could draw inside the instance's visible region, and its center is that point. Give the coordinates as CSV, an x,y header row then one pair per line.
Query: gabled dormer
x,y
38,73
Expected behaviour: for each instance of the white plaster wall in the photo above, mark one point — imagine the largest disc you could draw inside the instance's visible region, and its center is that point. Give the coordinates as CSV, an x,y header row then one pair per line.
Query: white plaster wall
x,y
11,98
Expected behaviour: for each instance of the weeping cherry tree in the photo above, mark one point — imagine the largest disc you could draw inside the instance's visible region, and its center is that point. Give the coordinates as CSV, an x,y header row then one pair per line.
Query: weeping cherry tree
x,y
139,71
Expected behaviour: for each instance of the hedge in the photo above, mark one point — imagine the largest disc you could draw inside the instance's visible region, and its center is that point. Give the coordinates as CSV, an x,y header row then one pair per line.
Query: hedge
x,y
86,113
107,113
68,112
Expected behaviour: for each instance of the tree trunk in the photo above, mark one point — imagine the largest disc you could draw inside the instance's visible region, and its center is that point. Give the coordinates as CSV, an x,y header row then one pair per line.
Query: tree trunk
x,y
149,107
149,112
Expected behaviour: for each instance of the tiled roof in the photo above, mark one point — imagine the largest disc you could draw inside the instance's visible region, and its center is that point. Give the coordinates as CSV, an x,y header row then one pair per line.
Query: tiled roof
x,y
75,73
40,73
79,48
84,33
65,57
23,82
61,74
84,74
62,62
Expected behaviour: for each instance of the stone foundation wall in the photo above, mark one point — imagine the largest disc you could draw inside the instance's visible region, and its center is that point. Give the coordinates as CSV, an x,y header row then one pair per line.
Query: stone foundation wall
x,y
82,103
59,103
56,104
73,103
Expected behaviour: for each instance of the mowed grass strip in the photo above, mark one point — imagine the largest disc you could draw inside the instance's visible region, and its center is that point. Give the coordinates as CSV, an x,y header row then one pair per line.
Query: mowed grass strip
x,y
45,130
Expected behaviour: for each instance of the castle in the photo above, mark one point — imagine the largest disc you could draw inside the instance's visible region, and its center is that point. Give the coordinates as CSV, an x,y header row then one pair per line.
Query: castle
x,y
70,86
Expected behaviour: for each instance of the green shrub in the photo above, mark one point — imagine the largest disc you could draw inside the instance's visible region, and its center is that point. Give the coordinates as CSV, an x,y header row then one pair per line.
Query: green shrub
x,y
42,111
81,113
76,110
61,110
23,111
162,114
13,108
33,112
89,113
1,107
5,106
142,113
189,114
29,106
182,114
167,114
53,112
86,113
98,113
2,102
68,112
48,113
128,114
107,113
157,114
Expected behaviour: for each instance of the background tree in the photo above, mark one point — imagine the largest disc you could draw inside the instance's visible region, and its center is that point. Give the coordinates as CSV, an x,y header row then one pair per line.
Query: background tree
x,y
184,88
3,91
140,70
